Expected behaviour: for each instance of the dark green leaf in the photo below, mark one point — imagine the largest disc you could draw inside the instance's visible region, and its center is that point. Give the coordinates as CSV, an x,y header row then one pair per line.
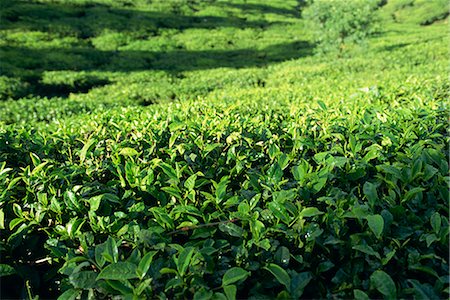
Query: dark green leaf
x,y
6,270
111,252
145,262
233,275
436,222
280,274
83,279
360,295
299,282
279,211
423,291
384,284
231,229
376,224
370,191
184,259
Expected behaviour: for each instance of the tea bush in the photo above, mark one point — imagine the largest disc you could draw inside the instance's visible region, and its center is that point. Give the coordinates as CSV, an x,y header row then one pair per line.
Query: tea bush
x,y
336,25
216,158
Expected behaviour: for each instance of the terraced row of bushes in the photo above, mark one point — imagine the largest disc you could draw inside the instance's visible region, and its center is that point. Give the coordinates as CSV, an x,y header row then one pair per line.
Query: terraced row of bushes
x,y
232,199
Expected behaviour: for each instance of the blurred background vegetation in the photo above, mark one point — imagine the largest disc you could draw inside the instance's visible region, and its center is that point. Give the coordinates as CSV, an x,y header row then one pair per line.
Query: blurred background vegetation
x,y
65,57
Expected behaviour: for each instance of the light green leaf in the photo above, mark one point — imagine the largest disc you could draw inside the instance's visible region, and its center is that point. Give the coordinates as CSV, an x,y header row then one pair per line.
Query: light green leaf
x,y
233,275
310,212
230,292
128,152
145,262
85,149
2,219
94,202
190,182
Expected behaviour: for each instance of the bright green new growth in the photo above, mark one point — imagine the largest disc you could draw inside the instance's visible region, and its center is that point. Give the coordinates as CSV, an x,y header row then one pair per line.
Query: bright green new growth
x,y
336,24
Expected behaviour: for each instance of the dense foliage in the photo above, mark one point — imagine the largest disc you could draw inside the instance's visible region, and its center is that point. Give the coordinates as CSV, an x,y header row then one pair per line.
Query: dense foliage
x,y
137,164
335,25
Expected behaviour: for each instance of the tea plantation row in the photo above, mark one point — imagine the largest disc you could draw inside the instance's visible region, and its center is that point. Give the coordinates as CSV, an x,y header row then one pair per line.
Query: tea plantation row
x,y
232,199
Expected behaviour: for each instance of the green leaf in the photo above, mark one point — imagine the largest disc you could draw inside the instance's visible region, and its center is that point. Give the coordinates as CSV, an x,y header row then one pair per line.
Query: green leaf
x,y
203,294
384,284
370,190
367,250
70,294
310,212
230,292
376,224
94,202
190,182
128,152
298,284
118,271
360,295
279,211
99,258
170,172
424,269
173,191
280,274
322,105
233,275
219,296
111,253
85,149
282,256
35,159
83,279
221,188
423,291
231,229
184,259
412,193
2,219
145,262
6,270
435,222
142,286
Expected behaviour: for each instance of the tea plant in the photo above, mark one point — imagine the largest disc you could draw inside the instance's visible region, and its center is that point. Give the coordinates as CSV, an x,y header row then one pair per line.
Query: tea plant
x,y
313,177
